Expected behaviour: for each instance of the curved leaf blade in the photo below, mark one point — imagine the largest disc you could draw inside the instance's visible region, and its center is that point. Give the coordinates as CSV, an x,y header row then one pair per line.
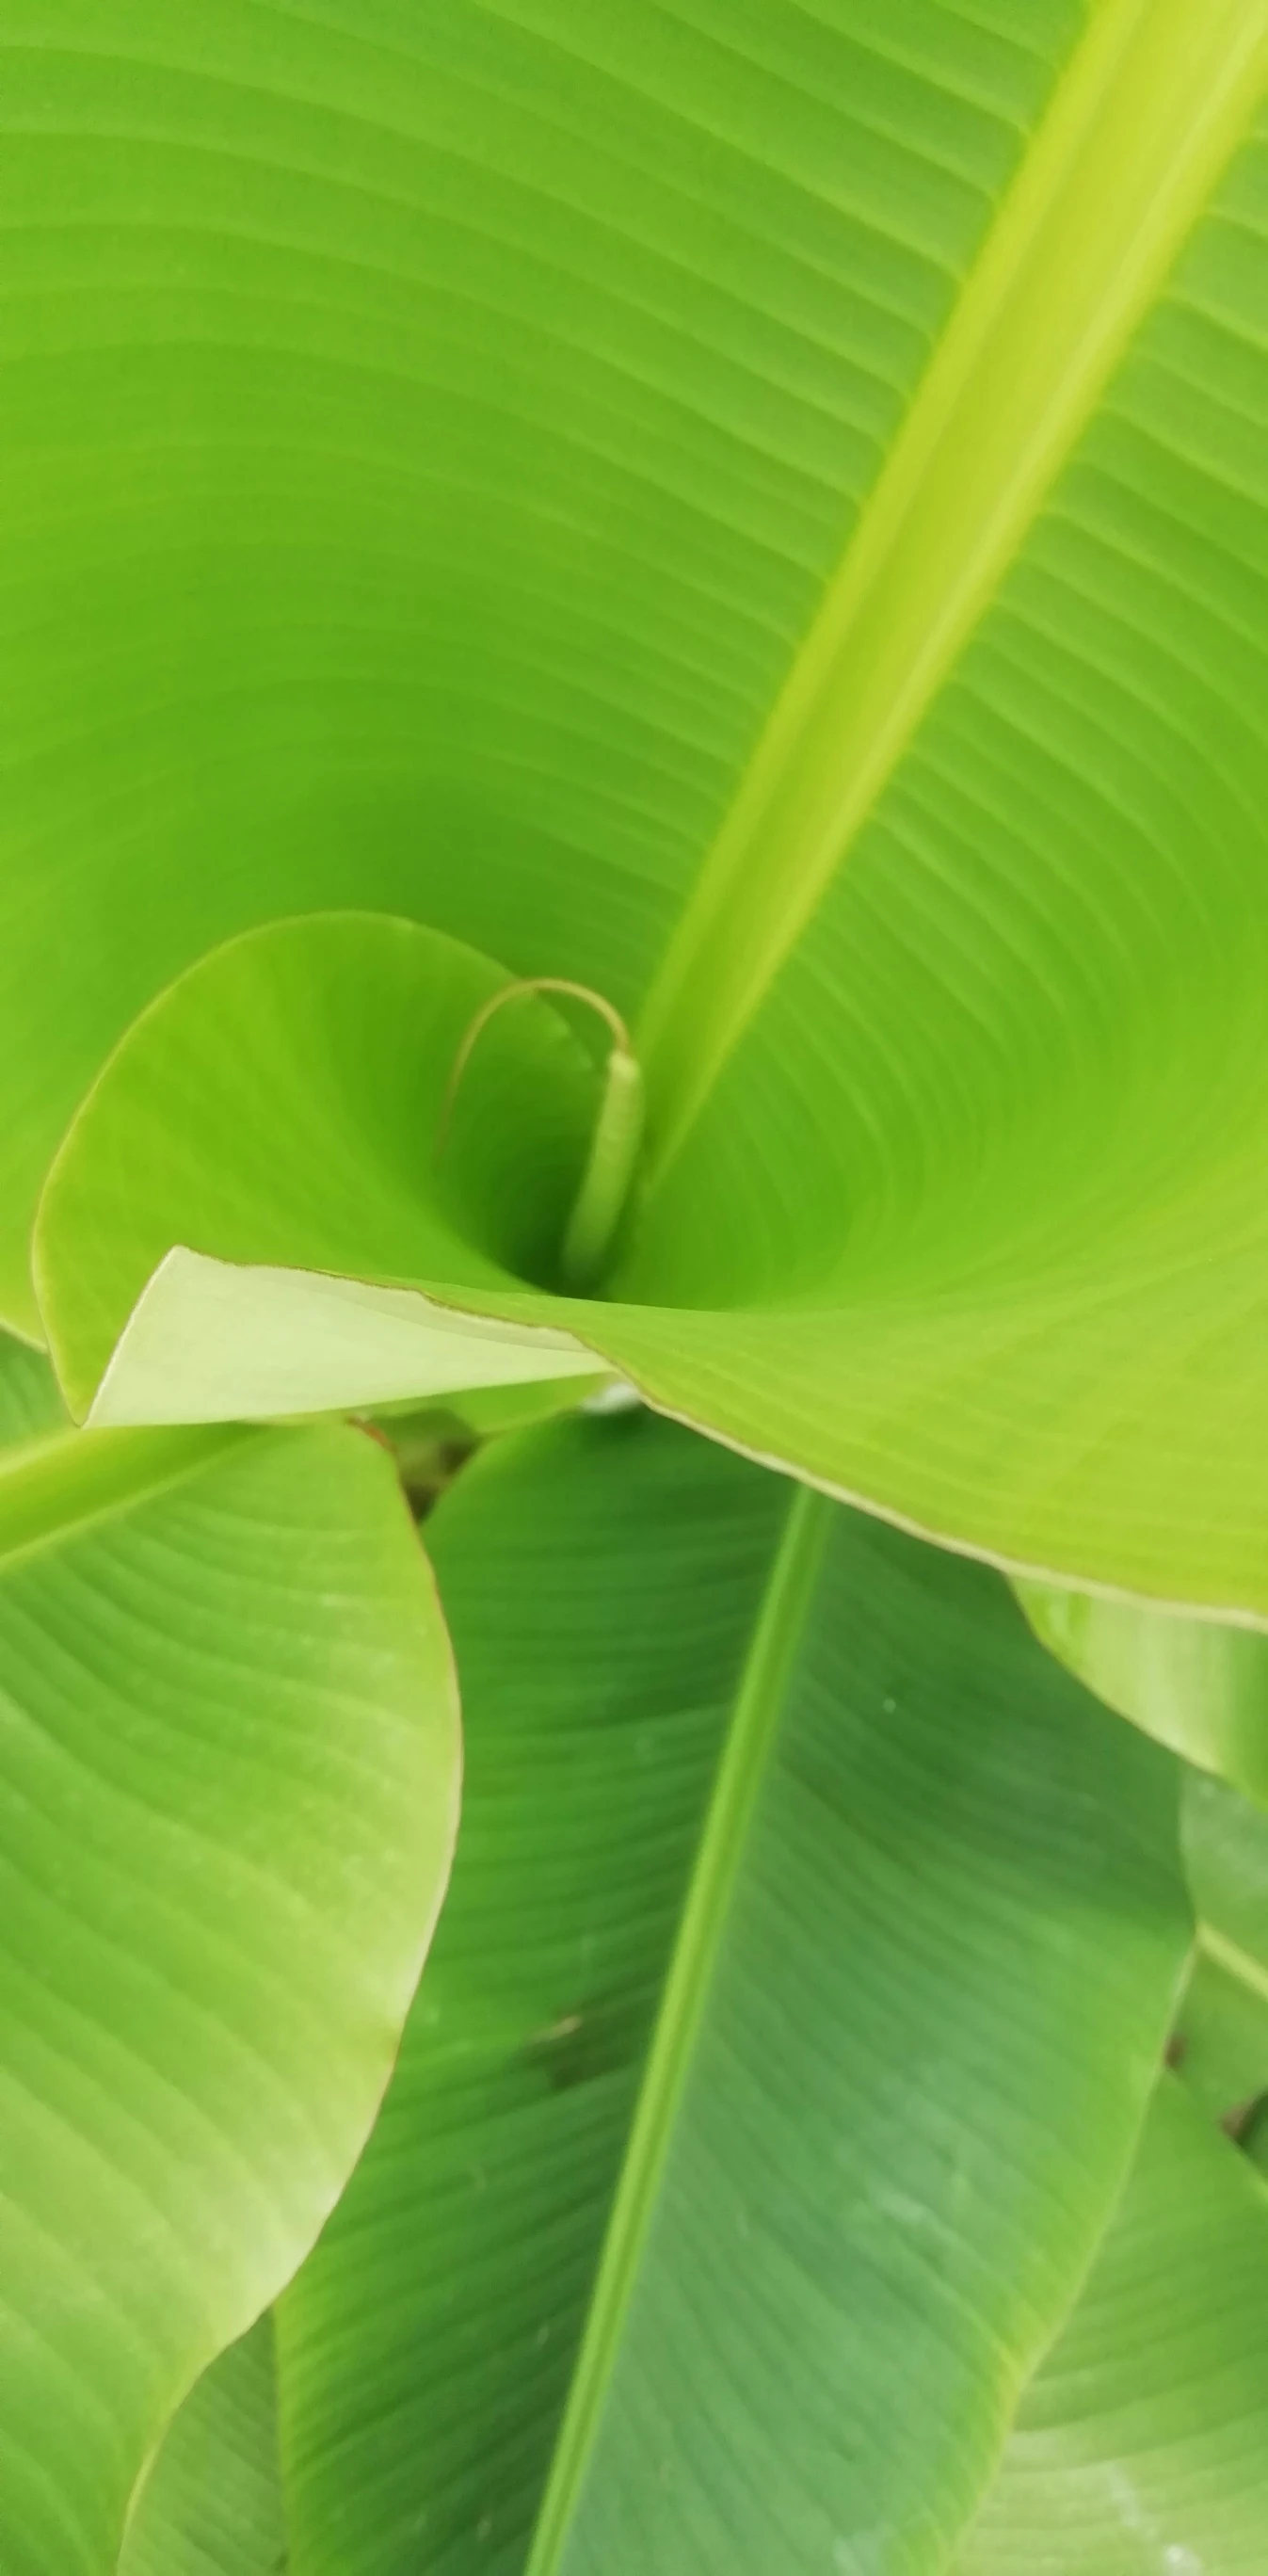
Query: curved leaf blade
x,y
212,2503
1152,106
430,450
290,1100
422,450
228,1745
843,2051
1196,1684
1141,2448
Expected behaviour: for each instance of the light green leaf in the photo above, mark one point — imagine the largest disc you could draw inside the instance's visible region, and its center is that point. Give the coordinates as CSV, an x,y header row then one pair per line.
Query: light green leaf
x,y
761,509
212,2503
1141,2449
811,1948
288,1102
1197,1684
229,1767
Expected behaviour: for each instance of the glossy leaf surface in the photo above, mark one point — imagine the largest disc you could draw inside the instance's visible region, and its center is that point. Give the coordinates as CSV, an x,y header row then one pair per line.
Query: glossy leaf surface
x,y
810,1953
761,510
1142,2447
229,1759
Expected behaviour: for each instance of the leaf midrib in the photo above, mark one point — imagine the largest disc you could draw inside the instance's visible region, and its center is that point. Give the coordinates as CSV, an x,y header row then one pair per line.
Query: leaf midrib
x,y
54,1488
1153,102
758,1710
1236,1961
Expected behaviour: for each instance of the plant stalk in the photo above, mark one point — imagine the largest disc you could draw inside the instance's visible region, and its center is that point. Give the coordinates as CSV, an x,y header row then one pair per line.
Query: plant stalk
x,y
615,1146
608,1177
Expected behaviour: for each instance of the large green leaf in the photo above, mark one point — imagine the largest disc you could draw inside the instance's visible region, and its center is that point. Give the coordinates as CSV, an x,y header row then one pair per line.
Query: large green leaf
x,y
803,1982
228,1753
760,508
212,2504
1141,2449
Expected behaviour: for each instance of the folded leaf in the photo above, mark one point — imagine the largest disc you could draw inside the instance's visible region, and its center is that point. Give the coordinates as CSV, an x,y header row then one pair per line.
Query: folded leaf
x,y
1141,2448
805,1975
291,1101
1197,1684
229,1763
761,510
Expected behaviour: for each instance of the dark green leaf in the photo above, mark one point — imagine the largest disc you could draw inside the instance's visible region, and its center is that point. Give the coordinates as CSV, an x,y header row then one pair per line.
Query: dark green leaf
x,y
833,2069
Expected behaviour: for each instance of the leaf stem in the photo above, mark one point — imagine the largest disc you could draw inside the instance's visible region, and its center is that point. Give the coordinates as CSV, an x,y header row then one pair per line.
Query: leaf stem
x,y
759,1708
1155,98
608,1177
615,1145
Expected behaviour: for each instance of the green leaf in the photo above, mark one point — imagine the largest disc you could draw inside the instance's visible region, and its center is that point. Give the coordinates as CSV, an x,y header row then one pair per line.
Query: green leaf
x,y
804,1978
1222,2033
228,1755
1197,1684
287,1102
1202,1688
1141,2449
759,509
29,1398
212,2503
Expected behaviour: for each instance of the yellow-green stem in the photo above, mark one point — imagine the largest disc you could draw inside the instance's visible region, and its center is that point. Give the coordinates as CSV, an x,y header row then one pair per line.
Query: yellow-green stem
x,y
615,1146
608,1177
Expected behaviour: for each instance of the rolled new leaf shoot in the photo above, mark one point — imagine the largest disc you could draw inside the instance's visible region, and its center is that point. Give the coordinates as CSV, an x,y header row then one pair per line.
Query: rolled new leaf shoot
x,y
611,1166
